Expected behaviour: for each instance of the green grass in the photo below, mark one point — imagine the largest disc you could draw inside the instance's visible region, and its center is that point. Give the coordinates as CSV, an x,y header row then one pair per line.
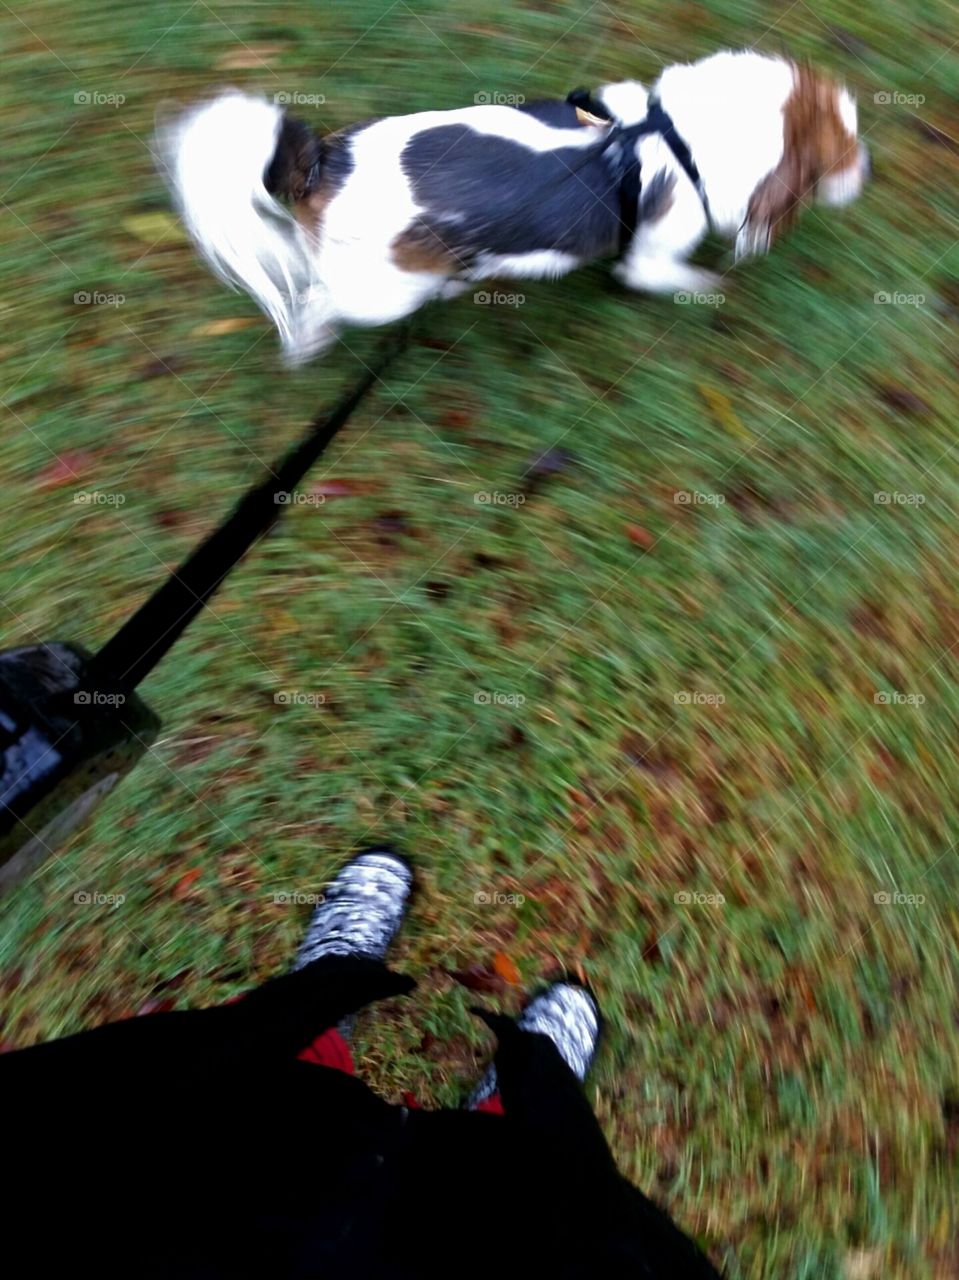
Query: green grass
x,y
782,1070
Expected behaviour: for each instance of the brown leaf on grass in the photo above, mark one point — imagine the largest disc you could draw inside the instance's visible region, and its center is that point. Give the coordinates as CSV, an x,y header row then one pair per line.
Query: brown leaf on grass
x,y
155,1006
651,950
182,887
721,408
863,1264
67,468
333,488
933,133
456,419
229,324
506,969
476,978
248,55
580,805
161,366
903,399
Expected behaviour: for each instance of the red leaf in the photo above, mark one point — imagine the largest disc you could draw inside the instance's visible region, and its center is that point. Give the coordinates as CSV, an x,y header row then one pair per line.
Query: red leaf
x,y
155,1006
66,468
506,969
639,536
182,886
333,488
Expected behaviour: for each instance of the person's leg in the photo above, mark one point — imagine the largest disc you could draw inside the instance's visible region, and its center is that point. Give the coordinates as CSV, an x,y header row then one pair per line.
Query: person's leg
x,y
569,1015
360,914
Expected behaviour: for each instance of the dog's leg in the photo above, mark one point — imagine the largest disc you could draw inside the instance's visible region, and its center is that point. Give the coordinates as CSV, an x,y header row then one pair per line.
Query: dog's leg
x,y
315,325
655,260
657,274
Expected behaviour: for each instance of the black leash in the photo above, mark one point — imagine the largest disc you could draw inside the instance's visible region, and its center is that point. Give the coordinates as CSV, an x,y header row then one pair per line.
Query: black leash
x,y
133,652
70,724
656,120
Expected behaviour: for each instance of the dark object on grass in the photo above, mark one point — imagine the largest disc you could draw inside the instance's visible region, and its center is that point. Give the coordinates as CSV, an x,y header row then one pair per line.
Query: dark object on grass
x,y
70,724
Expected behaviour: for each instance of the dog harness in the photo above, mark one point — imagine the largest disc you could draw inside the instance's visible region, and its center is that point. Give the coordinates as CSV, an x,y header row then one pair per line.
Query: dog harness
x,y
590,110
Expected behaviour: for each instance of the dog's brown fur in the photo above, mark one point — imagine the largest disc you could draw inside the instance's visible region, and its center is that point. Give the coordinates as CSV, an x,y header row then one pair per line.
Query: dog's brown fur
x,y
816,143
419,248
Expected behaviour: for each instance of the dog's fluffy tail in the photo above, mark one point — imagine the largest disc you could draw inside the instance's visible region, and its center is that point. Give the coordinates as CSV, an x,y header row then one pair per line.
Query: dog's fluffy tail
x,y
218,157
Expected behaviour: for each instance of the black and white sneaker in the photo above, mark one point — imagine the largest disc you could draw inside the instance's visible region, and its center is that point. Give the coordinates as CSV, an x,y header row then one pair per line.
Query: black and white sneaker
x,y
361,911
570,1016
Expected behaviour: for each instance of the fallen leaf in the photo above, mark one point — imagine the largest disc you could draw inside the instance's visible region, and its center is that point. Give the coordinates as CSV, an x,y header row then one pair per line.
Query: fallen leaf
x,y
67,468
334,488
862,1264
721,408
151,228
903,400
457,419
476,978
639,536
250,55
155,1006
550,463
506,969
231,324
183,885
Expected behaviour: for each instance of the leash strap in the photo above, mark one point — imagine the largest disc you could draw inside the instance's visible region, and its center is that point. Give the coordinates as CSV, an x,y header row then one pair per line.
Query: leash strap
x,y
656,120
133,652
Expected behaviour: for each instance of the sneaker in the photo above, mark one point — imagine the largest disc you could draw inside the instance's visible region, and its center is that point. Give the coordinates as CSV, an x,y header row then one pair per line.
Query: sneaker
x,y
361,911
570,1016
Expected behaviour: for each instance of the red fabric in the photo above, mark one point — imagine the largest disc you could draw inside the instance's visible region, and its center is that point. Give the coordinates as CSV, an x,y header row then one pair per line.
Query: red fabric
x,y
493,1105
331,1050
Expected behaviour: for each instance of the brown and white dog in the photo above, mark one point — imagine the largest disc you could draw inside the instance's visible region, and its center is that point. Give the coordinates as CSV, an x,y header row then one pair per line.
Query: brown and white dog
x,y
384,216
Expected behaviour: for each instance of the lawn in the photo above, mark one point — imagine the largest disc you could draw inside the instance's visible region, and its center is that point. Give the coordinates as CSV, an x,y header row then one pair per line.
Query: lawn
x,y
670,712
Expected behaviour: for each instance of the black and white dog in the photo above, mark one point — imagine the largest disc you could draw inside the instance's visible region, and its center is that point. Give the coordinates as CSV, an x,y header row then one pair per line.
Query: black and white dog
x,y
386,215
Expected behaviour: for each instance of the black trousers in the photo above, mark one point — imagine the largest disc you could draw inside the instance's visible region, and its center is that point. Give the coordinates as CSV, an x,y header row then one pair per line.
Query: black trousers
x,y
195,1144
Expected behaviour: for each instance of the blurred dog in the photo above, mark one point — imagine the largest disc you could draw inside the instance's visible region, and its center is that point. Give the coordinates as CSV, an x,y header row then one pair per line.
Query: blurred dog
x,y
383,216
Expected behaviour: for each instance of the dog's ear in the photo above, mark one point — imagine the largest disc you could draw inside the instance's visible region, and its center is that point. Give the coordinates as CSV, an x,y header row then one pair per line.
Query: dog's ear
x,y
294,170
815,141
772,207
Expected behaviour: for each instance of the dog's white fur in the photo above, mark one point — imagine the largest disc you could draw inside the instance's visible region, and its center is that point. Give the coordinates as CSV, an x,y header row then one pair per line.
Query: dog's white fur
x,y
728,108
